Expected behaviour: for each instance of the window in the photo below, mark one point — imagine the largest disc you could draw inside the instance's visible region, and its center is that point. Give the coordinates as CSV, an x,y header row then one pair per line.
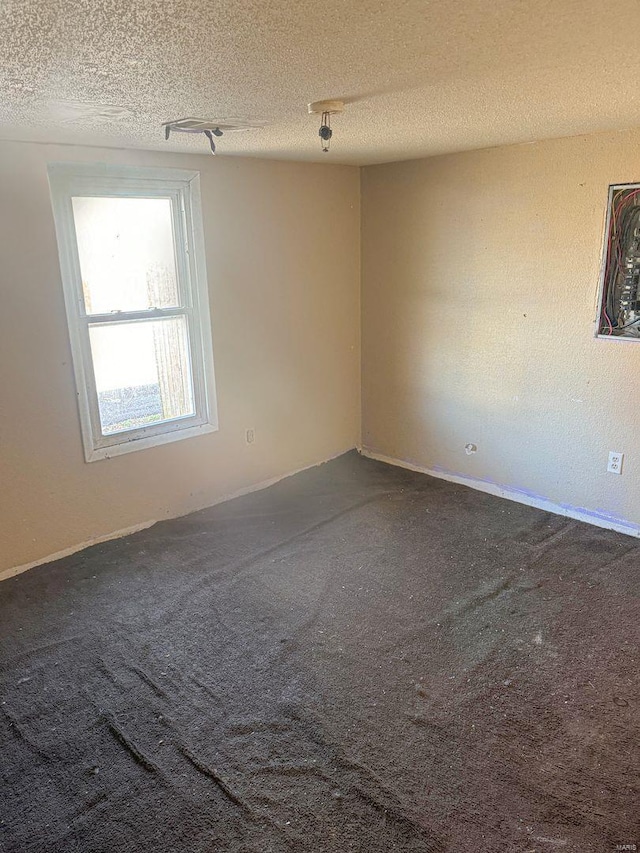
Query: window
x,y
135,287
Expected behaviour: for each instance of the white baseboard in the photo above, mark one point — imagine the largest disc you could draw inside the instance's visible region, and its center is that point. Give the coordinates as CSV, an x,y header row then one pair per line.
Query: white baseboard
x,y
66,552
5,574
598,518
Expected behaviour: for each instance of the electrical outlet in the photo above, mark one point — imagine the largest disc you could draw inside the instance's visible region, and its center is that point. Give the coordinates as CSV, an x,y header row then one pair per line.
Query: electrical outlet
x,y
615,462
250,436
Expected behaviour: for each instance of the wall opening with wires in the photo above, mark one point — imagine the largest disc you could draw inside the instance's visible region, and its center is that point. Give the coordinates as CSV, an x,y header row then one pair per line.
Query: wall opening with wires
x,y
620,280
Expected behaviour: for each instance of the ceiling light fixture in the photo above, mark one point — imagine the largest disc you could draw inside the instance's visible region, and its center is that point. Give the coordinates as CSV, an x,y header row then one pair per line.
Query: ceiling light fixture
x,y
325,109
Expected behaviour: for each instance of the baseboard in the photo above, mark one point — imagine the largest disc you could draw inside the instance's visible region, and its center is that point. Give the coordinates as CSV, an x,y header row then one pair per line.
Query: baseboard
x,y
598,518
5,574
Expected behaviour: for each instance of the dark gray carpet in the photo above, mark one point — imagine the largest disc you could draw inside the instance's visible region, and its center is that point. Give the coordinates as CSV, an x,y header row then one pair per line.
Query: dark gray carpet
x,y
357,659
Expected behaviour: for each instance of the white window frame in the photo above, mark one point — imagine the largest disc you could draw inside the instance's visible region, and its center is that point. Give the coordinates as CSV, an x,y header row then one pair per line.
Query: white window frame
x,y
182,188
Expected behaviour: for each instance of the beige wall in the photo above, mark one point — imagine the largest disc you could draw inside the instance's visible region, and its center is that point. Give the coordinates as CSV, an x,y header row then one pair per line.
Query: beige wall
x,y
282,243
480,273
479,277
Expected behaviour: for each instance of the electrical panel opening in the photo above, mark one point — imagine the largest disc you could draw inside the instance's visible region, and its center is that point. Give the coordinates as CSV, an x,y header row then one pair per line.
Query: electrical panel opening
x,y
619,315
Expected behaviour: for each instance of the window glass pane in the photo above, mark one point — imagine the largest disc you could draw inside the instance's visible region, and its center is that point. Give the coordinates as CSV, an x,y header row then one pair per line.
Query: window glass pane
x,y
126,252
142,372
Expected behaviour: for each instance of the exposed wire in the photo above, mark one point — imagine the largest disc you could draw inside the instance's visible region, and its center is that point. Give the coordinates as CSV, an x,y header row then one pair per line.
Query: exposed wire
x,y
628,325
606,317
619,295
325,133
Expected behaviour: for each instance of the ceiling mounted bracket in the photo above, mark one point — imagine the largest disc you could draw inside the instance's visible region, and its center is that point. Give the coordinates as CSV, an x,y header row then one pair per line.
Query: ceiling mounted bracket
x,y
192,125
210,127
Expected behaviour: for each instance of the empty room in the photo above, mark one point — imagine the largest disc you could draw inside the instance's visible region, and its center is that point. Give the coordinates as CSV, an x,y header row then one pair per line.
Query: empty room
x,y
319,443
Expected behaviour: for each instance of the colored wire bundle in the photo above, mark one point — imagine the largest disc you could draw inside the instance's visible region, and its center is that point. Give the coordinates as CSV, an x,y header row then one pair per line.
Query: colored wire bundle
x,y
625,220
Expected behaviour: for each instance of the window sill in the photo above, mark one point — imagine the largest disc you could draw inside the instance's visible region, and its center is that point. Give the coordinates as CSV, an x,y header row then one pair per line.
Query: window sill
x,y
95,454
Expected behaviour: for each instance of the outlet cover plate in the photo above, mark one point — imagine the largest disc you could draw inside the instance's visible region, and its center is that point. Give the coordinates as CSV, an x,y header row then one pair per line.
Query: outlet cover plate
x,y
615,462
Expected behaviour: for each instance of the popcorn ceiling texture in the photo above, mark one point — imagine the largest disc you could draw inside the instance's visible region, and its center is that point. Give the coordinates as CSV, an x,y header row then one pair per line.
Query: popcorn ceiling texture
x,y
420,77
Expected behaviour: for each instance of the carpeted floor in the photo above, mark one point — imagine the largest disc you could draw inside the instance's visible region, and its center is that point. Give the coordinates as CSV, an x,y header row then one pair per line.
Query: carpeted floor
x,y
357,659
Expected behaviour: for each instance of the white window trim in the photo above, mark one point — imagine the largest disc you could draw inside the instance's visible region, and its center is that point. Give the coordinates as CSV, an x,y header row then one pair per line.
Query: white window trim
x,y
183,188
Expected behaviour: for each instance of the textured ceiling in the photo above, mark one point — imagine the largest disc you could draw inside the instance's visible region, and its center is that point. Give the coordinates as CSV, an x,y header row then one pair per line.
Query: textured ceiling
x,y
420,77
